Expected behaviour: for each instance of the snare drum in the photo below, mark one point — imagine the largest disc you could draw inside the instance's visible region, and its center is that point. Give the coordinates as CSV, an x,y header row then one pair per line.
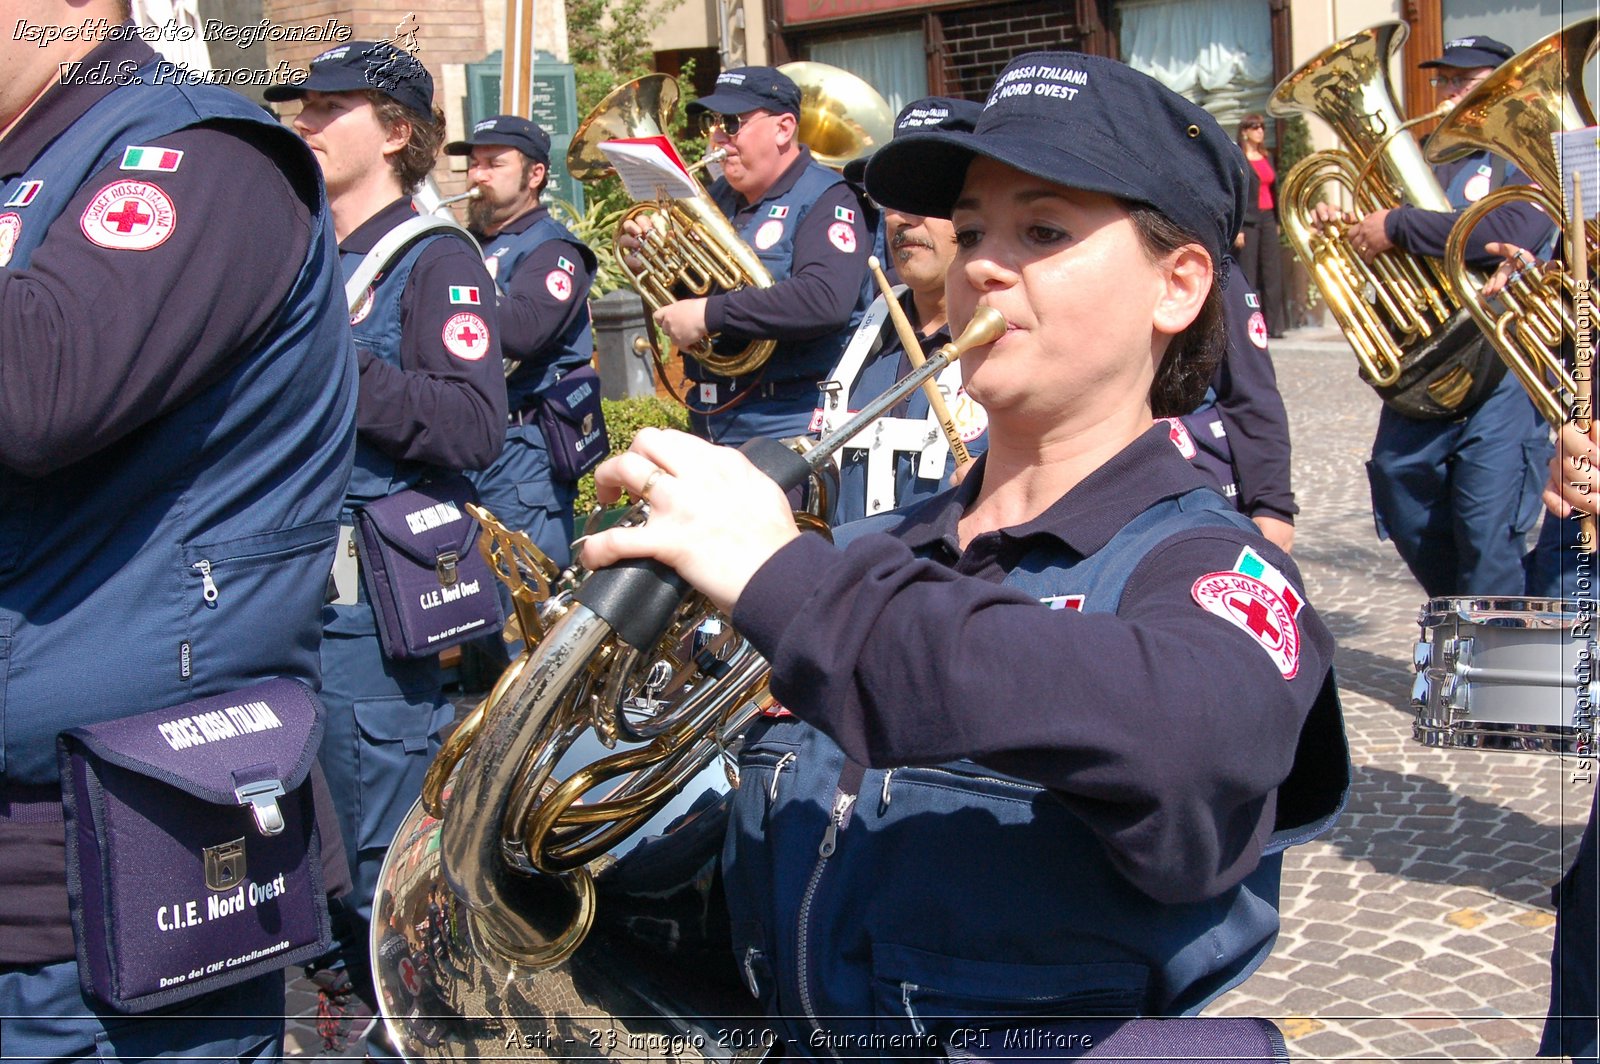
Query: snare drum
x,y
1506,674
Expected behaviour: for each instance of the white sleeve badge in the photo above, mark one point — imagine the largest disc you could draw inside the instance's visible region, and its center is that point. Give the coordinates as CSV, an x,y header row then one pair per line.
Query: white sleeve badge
x,y
1258,600
129,216
466,336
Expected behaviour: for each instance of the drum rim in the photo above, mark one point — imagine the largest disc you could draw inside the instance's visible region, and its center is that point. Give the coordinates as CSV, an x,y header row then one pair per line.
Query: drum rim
x,y
1500,736
1509,611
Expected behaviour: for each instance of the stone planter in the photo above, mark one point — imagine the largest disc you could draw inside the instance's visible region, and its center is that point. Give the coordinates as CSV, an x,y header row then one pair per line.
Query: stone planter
x,y
618,320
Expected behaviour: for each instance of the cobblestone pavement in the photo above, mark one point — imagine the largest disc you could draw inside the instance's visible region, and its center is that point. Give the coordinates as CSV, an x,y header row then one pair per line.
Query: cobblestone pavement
x,y
1420,927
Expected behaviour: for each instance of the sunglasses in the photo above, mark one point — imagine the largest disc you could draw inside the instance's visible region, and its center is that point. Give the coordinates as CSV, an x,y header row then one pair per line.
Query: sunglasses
x,y
729,124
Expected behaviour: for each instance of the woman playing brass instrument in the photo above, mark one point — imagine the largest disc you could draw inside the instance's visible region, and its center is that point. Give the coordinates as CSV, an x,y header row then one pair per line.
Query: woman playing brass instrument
x,y
1036,754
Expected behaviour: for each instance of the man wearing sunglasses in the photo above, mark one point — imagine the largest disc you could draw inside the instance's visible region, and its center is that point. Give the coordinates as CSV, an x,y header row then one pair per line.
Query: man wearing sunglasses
x,y
809,230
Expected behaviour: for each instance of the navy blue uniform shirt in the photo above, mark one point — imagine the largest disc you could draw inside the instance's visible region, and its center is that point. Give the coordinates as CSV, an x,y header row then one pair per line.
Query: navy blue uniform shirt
x,y
1252,408
1150,724
824,281
96,345
1424,232
441,408
532,316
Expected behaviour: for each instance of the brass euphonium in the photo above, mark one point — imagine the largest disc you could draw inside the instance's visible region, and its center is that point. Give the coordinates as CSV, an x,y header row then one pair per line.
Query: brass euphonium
x,y
1400,313
507,913
1514,113
689,244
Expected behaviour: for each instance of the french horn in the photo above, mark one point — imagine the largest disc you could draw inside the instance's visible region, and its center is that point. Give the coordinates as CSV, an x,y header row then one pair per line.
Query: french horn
x,y
1401,313
509,913
1514,113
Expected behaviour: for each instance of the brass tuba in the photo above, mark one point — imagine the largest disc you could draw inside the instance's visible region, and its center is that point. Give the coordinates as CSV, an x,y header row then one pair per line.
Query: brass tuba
x,y
1514,113
508,912
690,243
842,118
1401,314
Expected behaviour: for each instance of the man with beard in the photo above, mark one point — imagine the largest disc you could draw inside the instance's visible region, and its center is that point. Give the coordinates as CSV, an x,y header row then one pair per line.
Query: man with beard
x,y
542,275
904,455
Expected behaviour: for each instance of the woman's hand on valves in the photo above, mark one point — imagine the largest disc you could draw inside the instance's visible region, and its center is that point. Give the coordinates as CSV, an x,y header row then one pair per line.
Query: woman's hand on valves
x,y
714,517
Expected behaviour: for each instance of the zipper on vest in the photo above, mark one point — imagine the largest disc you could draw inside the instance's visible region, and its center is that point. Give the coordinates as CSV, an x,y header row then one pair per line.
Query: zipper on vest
x,y
772,788
844,799
208,587
750,972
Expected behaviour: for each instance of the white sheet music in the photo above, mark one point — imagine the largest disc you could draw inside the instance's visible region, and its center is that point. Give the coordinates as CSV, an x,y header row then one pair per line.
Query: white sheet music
x,y
1578,152
650,168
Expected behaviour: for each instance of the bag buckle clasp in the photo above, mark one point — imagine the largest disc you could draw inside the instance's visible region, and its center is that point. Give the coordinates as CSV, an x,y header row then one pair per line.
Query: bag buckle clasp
x,y
262,798
445,565
225,865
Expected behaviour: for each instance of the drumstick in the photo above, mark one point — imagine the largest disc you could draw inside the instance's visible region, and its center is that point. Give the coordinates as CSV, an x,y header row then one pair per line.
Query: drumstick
x,y
1577,243
913,346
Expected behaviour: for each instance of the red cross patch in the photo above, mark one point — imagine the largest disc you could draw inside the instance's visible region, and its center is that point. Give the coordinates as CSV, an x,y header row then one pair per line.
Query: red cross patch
x,y
10,230
408,976
559,284
842,237
1258,330
466,336
1178,433
129,216
1258,610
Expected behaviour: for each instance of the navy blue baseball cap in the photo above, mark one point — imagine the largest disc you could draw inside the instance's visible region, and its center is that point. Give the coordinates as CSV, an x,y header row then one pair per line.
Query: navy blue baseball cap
x,y
754,88
1086,122
359,65
924,116
509,130
1470,52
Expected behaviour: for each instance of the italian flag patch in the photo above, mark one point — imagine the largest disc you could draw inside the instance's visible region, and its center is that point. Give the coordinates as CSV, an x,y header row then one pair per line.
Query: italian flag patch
x,y
845,214
164,160
460,294
566,264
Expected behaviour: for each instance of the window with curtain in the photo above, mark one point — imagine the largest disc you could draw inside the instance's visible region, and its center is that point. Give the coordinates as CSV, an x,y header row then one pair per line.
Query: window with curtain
x,y
1217,53
894,63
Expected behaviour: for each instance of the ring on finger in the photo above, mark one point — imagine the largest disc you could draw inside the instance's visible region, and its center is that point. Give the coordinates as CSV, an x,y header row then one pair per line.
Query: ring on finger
x,y
650,482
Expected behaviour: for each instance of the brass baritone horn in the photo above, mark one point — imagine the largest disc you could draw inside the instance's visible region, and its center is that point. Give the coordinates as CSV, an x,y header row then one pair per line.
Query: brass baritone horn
x,y
506,914
1514,113
1400,313
688,243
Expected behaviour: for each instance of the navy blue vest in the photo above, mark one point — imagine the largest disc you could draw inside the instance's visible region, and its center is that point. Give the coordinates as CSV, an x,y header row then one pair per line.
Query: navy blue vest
x,y
575,346
792,360
954,894
105,565
378,331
